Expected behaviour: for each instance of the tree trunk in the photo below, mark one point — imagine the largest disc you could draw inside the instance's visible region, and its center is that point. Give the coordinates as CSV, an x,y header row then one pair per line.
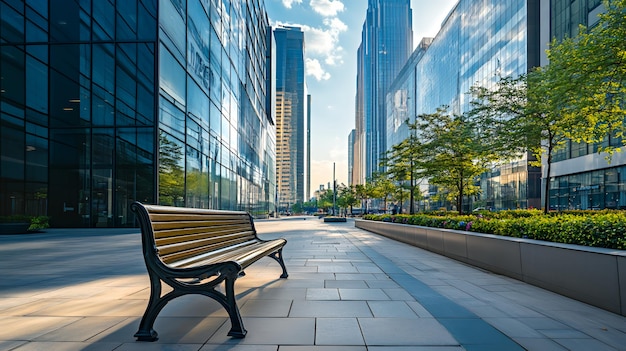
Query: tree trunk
x,y
459,200
546,186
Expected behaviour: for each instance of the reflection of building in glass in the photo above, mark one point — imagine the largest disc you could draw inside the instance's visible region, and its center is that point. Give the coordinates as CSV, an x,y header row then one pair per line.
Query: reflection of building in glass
x,y
580,177
479,42
104,103
291,113
386,43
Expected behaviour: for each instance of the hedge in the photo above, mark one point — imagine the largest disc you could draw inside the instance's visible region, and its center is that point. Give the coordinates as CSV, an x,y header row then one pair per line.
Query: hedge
x,y
598,229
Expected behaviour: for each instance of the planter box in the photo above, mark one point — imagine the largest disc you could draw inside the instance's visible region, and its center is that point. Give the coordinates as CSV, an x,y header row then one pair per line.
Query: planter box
x,y
595,276
334,219
14,228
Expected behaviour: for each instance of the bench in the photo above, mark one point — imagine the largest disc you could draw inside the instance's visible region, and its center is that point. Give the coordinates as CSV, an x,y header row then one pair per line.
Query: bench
x,y
194,251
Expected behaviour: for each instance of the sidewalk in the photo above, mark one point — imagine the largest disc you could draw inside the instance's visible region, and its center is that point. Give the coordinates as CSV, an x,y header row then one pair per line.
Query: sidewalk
x,y
348,290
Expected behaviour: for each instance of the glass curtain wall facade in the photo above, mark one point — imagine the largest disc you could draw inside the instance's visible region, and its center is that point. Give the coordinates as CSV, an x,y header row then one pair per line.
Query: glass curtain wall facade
x,y
108,102
580,177
291,113
387,42
479,41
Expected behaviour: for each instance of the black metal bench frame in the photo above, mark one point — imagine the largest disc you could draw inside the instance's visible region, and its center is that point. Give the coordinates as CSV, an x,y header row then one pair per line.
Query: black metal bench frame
x,y
194,251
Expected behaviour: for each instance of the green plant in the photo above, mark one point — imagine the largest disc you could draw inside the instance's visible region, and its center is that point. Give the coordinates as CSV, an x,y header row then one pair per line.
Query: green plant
x,y
589,228
39,222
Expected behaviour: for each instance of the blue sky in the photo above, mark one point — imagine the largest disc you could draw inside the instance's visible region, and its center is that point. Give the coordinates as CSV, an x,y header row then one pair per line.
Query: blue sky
x,y
332,34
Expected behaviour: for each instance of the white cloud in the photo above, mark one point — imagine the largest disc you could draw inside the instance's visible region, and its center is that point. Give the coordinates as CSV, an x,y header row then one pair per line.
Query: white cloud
x,y
327,8
315,69
321,43
289,3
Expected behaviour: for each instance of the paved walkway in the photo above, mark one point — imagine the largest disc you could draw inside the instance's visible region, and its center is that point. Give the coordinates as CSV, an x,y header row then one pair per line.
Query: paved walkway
x,y
348,290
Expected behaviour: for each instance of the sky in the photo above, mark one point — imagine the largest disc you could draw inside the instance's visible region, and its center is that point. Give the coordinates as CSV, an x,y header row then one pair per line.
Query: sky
x,y
332,35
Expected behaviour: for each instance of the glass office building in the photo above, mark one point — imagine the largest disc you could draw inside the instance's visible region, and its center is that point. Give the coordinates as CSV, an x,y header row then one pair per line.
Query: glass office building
x,y
479,42
387,42
107,102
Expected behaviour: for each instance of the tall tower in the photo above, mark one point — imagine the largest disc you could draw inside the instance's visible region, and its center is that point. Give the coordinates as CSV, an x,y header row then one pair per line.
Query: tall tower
x,y
291,114
387,42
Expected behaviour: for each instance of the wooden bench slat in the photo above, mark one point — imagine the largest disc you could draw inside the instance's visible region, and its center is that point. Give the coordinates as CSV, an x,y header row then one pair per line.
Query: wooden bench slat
x,y
216,232
170,252
245,255
203,235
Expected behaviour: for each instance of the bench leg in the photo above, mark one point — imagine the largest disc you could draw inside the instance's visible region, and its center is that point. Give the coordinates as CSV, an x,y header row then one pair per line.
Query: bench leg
x,y
237,330
155,305
278,256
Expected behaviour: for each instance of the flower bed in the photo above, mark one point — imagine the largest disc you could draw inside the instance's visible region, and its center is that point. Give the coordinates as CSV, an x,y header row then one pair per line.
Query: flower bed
x,y
588,228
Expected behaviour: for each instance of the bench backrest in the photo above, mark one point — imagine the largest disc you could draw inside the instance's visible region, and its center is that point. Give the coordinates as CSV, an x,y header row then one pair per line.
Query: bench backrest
x,y
179,234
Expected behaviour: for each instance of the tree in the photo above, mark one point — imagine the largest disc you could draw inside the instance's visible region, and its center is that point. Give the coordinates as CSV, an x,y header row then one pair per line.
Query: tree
x,y
325,200
456,150
382,187
401,163
364,192
347,197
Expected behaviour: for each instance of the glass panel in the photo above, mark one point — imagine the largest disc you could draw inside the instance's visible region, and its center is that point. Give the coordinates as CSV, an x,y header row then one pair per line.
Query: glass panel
x,y
70,177
37,87
134,171
103,20
103,147
36,159
126,84
172,76
102,107
197,103
171,170
12,71
12,23
172,20
198,45
147,24
146,86
172,119
102,199
12,143
104,66
215,119
197,179
126,20
65,20
64,111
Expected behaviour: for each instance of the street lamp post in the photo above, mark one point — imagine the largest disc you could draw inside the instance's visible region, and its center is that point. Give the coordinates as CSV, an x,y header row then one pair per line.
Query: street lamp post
x,y
334,190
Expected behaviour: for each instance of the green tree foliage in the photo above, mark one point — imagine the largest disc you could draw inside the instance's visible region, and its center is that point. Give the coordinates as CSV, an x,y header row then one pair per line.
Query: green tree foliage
x,y
401,164
382,187
347,197
325,201
593,65
364,192
455,150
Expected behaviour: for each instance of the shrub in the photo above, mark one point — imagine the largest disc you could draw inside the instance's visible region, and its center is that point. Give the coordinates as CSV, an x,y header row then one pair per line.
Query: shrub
x,y
589,228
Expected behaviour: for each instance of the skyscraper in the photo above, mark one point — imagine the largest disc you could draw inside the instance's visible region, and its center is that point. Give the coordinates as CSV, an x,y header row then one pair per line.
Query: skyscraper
x,y
387,42
291,114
